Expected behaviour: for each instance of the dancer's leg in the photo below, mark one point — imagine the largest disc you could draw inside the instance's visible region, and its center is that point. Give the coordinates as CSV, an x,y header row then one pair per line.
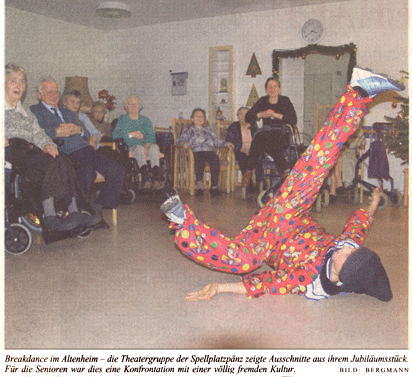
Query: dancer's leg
x,y
307,176
301,187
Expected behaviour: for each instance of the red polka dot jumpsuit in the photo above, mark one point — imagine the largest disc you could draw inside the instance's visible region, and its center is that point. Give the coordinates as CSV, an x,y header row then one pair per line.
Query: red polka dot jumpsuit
x,y
283,234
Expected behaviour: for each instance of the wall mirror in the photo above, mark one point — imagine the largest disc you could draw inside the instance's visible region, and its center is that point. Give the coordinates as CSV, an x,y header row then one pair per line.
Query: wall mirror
x,y
314,77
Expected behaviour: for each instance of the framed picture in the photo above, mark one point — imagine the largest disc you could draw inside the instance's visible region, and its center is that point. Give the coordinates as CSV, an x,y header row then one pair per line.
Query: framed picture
x,y
179,81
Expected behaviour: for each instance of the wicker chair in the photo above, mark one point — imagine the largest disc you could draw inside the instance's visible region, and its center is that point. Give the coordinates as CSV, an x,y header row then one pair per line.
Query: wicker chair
x,y
184,164
222,126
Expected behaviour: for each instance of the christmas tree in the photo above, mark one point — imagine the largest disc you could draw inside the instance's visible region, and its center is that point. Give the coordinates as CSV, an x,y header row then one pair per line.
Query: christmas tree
x,y
397,139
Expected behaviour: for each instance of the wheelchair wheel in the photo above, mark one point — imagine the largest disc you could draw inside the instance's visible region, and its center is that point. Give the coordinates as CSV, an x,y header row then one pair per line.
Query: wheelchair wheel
x,y
17,239
396,198
32,222
354,195
128,198
322,200
262,199
384,201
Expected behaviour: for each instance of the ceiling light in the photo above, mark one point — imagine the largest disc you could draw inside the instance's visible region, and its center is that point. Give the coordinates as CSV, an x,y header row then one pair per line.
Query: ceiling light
x,y
112,9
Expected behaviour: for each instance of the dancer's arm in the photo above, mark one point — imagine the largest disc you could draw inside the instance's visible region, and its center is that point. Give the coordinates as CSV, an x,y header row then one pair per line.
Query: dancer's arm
x,y
374,199
213,289
359,223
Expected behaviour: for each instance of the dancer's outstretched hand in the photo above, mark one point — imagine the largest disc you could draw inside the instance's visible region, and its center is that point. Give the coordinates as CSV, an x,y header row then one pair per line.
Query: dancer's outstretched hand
x,y
374,200
204,294
213,289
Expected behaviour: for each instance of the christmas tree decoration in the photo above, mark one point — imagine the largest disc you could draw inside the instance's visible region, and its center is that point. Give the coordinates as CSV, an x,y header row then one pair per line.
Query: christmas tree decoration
x,y
253,97
253,69
397,139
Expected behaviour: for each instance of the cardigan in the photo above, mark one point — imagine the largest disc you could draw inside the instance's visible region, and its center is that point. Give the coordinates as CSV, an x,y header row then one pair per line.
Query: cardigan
x,y
125,125
234,135
283,106
201,139
19,123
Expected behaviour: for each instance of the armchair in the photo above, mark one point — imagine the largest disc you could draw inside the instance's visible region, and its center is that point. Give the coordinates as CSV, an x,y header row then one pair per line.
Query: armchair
x,y
183,166
236,178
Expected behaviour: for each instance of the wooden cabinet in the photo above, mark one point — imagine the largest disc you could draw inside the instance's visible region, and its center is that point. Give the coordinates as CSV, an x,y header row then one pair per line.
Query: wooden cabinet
x,y
220,84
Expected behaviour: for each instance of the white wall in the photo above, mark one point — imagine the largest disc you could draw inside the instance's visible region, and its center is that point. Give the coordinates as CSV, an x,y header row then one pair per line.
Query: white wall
x,y
377,27
141,59
48,47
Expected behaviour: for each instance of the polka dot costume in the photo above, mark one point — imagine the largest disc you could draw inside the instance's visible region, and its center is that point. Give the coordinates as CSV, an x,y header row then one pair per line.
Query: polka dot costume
x,y
283,234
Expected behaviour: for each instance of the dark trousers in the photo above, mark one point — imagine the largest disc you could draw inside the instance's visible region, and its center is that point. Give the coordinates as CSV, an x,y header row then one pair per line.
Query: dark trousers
x,y
241,159
200,162
88,162
272,143
51,177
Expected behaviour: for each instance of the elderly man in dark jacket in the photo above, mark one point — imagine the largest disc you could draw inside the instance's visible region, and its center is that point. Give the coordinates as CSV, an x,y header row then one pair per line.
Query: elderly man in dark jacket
x,y
61,125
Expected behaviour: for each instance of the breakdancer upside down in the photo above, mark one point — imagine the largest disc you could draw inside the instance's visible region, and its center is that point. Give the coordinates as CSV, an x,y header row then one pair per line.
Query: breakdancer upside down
x,y
304,257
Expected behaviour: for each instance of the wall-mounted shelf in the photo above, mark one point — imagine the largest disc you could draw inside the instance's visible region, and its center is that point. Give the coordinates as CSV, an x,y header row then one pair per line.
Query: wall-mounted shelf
x,y
220,84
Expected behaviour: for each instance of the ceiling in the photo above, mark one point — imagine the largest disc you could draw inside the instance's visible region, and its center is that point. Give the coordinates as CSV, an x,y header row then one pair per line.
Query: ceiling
x,y
150,12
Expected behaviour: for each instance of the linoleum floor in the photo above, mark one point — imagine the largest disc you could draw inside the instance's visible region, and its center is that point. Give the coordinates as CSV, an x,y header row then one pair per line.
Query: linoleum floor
x,y
124,287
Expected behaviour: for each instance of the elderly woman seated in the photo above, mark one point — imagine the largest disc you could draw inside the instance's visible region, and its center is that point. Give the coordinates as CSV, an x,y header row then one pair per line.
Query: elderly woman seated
x,y
71,101
98,112
138,133
44,165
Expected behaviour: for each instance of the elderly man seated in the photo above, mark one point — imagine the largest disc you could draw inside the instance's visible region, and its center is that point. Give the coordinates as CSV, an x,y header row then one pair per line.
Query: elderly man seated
x,y
44,166
138,133
61,125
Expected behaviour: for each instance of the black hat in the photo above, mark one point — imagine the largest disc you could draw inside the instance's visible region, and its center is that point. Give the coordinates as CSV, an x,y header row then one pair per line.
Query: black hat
x,y
362,272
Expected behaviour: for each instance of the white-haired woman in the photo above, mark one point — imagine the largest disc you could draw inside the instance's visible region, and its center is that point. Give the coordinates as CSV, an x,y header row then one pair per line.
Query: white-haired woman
x,y
44,166
138,133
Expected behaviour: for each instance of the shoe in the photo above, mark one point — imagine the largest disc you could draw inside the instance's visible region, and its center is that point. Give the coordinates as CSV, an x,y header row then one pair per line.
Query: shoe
x,y
285,174
157,185
340,191
174,209
147,185
246,178
84,219
57,223
156,173
146,181
199,192
373,83
215,192
251,188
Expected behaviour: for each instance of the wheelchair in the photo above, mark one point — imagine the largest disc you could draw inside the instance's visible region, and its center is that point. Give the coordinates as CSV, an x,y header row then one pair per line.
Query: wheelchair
x,y
121,154
269,182
377,167
17,236
24,212
134,184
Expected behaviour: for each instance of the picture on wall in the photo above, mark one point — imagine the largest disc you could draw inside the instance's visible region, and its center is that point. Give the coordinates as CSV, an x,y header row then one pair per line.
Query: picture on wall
x,y
179,81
